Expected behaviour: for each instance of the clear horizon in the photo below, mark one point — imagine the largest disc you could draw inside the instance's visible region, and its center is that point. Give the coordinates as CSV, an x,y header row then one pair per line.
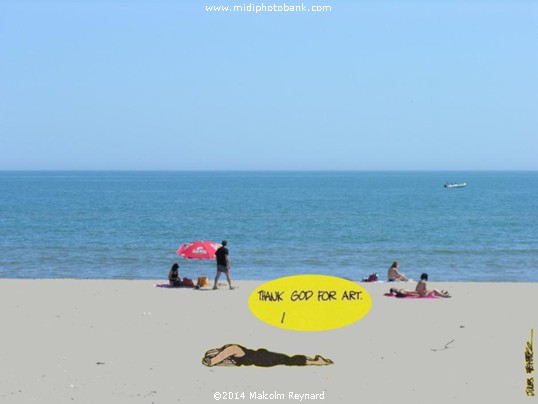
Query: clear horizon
x,y
262,171
364,86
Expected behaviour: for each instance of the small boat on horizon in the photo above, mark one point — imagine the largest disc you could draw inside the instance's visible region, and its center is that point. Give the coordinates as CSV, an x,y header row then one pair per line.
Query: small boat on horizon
x,y
455,185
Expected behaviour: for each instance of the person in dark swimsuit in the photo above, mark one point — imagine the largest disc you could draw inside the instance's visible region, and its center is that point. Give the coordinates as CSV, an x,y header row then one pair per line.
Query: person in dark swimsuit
x,y
237,355
173,276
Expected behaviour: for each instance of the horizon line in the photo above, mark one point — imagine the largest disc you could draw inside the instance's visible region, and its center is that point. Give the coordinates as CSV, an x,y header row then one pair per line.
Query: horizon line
x,y
265,170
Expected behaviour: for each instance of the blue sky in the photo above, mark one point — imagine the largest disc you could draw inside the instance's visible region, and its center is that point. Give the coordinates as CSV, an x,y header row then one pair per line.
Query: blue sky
x,y
370,85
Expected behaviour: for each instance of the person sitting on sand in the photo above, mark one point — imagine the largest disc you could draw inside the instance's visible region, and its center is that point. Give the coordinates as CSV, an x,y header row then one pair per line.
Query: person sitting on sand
x,y
173,276
421,290
394,275
237,355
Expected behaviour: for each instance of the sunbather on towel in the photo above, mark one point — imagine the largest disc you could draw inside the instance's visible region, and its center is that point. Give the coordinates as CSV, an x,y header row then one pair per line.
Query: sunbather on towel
x,y
421,290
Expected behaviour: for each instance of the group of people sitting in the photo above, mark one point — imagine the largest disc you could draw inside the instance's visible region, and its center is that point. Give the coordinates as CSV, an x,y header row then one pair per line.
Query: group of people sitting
x,y
393,276
421,289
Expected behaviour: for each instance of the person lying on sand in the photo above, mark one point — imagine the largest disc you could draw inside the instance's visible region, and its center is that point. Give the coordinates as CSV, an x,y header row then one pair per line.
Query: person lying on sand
x,y
421,290
237,355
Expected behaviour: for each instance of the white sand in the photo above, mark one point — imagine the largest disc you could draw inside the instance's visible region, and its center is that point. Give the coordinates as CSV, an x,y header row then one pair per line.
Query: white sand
x,y
103,341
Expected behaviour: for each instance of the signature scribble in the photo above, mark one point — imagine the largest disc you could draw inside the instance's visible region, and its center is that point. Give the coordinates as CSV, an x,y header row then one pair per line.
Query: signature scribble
x,y
529,365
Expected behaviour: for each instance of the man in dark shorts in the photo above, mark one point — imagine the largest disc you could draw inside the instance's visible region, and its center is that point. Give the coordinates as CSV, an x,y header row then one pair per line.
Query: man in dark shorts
x,y
223,264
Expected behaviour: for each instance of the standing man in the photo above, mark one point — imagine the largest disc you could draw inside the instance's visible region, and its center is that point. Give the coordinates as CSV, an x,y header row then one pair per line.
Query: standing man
x,y
223,264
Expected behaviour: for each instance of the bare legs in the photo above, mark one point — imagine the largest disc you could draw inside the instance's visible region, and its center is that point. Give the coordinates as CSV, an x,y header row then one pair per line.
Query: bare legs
x,y
318,361
435,292
217,276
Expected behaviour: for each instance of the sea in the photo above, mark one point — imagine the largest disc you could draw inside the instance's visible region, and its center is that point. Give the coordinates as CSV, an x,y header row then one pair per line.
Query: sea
x,y
129,224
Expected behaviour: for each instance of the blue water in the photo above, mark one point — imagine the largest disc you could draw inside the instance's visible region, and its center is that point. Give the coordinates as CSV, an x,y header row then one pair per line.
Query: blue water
x,y
128,225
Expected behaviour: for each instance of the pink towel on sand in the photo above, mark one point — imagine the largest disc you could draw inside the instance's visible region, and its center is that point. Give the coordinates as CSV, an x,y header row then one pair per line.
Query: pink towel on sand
x,y
412,296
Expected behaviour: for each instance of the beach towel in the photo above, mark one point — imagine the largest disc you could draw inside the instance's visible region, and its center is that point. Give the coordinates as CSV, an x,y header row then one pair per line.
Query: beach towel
x,y
167,285
411,296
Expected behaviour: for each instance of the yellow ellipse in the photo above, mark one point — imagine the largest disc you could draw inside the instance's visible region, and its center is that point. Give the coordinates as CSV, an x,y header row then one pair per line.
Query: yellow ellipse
x,y
310,302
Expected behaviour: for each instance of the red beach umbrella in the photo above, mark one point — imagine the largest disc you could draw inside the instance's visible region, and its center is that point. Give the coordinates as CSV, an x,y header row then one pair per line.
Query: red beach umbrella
x,y
202,250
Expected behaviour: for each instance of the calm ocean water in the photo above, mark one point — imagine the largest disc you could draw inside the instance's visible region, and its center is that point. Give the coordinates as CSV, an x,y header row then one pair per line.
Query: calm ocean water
x,y
128,225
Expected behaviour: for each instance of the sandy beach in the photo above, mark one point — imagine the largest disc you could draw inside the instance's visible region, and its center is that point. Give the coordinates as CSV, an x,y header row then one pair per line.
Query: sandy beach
x,y
106,341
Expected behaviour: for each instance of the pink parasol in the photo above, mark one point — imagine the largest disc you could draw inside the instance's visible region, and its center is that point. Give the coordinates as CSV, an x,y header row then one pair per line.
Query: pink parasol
x,y
202,250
